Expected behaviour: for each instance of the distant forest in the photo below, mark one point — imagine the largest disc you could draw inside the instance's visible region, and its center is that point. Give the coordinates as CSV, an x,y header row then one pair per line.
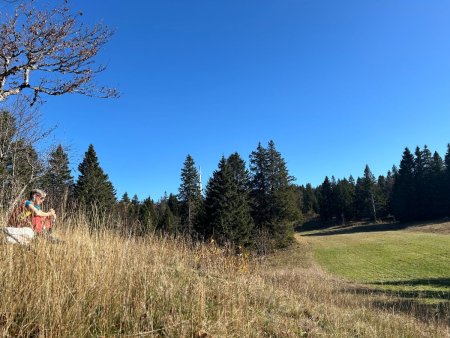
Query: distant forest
x,y
418,190
256,205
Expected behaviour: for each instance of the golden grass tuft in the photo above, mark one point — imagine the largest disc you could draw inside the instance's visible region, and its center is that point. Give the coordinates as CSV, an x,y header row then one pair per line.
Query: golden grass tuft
x,y
108,285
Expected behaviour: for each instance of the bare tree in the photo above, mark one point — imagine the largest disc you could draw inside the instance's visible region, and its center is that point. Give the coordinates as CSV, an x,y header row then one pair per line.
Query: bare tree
x,y
48,51
20,164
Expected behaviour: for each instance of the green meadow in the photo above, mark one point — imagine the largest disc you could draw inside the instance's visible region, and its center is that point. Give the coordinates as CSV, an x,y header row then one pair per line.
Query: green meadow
x,y
411,263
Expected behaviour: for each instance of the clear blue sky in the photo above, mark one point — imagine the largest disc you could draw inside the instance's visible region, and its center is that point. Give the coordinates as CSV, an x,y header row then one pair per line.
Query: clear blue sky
x,y
336,85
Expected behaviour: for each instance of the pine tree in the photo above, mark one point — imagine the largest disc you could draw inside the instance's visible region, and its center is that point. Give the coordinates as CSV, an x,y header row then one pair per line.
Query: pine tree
x,y
403,193
58,181
148,218
382,195
310,204
93,188
345,196
273,199
123,209
125,199
366,194
227,212
422,183
190,196
388,189
436,188
259,187
326,200
446,183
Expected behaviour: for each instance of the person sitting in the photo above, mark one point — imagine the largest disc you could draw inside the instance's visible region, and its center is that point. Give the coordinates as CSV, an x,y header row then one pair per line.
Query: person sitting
x,y
41,221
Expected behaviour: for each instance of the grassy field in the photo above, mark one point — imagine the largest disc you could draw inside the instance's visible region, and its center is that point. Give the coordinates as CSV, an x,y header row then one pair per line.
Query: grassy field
x,y
412,263
109,285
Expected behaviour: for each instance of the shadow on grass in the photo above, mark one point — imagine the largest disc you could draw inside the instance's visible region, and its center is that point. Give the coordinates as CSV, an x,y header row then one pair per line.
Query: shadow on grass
x,y
424,304
330,228
436,282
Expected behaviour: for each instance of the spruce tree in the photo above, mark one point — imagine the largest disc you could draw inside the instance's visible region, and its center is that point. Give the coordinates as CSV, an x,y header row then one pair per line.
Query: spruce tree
x,y
58,181
123,209
93,188
344,196
446,183
366,195
310,204
148,218
326,200
381,197
125,199
227,212
274,207
422,183
259,187
190,196
403,193
436,188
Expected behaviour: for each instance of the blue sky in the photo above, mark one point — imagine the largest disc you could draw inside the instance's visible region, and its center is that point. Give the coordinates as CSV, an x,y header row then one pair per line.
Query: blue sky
x,y
336,85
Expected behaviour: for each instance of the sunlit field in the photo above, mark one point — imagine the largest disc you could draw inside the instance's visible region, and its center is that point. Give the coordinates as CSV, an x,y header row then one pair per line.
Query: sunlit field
x,y
412,264
110,285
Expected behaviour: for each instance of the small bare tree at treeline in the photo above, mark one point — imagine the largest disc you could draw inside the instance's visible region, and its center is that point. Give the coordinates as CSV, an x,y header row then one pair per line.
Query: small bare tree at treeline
x,y
43,51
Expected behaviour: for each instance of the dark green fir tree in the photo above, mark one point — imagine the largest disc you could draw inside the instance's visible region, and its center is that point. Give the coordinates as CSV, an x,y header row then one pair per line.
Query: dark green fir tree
x,y
148,217
446,183
403,193
227,211
93,188
325,200
58,181
273,198
190,196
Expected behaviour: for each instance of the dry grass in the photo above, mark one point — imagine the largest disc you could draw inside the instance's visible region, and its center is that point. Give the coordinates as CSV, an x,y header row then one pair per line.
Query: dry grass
x,y
108,285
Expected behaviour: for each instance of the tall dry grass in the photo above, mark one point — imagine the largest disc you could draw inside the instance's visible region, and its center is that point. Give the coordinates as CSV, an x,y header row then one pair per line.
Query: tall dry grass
x,y
104,284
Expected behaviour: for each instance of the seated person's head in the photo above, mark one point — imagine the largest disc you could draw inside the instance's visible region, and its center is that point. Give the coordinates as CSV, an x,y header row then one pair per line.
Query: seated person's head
x,y
37,196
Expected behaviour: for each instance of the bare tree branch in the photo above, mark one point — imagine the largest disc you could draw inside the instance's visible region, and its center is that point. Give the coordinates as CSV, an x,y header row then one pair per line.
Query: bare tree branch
x,y
47,51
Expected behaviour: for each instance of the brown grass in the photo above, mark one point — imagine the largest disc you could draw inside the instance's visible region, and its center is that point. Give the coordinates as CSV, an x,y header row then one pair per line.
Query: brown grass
x,y
108,285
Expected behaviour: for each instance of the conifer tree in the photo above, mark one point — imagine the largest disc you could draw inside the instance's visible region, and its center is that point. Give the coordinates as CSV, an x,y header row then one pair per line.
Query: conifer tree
x,y
446,182
227,212
259,186
344,196
274,206
148,218
437,187
125,199
403,193
422,183
174,205
58,181
382,195
93,188
366,195
388,189
167,221
123,209
326,200
310,204
190,196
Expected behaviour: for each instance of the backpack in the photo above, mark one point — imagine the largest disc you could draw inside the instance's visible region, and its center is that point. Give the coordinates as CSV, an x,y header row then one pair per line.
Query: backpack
x,y
20,216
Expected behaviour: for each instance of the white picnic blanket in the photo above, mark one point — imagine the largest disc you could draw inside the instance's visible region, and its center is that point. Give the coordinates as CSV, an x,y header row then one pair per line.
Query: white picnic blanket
x,y
18,235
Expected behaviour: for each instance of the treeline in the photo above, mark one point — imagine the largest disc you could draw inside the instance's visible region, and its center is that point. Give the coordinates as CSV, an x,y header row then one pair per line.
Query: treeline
x,y
254,205
245,207
418,190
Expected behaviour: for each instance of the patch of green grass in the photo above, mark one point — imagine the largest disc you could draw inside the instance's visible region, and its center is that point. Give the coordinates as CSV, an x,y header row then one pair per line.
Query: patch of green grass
x,y
413,264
